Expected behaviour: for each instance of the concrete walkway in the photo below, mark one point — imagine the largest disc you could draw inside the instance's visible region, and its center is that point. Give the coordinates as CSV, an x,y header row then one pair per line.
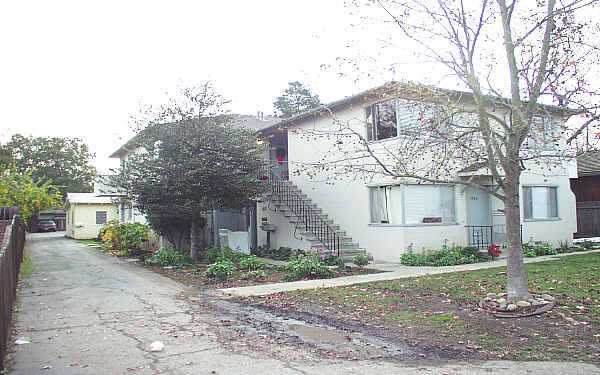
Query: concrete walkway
x,y
393,271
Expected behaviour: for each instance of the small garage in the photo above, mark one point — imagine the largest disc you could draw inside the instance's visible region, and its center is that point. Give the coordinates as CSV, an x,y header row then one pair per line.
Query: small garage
x,y
86,213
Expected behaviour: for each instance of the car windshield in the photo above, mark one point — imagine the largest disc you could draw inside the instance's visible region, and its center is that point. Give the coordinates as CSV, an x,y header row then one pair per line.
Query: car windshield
x,y
46,222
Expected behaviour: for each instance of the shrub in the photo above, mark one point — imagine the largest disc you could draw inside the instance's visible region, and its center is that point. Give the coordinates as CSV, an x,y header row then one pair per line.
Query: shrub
x,y
283,253
305,266
252,263
470,251
536,250
361,260
221,269
256,274
212,254
124,238
564,247
449,256
168,257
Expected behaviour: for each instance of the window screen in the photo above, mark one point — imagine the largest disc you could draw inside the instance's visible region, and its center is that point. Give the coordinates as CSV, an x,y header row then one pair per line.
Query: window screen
x,y
100,217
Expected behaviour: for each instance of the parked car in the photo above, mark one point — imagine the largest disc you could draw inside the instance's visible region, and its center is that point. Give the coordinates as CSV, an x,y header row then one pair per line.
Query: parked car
x,y
46,226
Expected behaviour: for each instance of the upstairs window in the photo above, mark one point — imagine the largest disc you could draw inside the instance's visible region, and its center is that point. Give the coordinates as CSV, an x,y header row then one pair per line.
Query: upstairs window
x,y
542,133
543,127
393,117
382,121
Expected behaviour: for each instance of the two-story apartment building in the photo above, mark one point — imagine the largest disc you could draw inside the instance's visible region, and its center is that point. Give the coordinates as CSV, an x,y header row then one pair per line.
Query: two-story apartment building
x,y
333,200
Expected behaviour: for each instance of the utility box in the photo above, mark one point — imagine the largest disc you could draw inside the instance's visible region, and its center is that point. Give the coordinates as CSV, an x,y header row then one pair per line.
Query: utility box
x,y
238,240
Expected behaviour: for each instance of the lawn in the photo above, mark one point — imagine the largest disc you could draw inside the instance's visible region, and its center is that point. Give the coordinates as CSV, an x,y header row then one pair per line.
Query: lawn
x,y
441,311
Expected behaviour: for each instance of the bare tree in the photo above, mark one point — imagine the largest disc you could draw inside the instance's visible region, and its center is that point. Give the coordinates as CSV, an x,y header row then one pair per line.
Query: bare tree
x,y
525,68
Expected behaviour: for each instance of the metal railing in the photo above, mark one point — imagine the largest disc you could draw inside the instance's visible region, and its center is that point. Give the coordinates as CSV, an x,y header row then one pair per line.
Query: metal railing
x,y
482,236
308,217
12,241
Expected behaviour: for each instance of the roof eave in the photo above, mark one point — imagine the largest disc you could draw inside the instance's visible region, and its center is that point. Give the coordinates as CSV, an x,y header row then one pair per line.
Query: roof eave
x,y
567,112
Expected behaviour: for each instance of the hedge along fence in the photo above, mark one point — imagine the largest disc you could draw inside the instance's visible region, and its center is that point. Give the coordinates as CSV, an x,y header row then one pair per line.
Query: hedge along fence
x,y
11,256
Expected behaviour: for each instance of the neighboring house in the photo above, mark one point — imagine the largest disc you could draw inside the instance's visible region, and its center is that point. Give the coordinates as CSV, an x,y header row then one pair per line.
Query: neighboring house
x,y
385,217
241,220
586,188
87,213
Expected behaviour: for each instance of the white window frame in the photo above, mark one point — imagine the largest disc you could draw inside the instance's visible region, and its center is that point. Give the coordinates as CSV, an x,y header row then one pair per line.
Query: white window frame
x,y
529,211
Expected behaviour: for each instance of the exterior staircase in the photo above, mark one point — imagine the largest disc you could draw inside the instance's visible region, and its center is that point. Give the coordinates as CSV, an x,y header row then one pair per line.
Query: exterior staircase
x,y
311,222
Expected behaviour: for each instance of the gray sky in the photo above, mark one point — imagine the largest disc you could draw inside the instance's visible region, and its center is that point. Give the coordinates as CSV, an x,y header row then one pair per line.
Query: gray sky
x,y
82,68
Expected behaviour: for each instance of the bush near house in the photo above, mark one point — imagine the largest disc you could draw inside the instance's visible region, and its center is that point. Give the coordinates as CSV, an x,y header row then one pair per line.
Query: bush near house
x,y
307,267
537,249
221,269
283,253
361,260
455,255
168,257
212,254
447,256
124,238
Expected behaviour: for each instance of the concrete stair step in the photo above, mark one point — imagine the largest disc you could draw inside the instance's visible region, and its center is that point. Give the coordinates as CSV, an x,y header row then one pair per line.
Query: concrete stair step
x,y
310,232
348,249
348,256
289,213
348,245
295,219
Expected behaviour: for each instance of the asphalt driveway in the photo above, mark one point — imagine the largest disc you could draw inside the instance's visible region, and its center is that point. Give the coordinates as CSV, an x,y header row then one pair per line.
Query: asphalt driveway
x,y
82,312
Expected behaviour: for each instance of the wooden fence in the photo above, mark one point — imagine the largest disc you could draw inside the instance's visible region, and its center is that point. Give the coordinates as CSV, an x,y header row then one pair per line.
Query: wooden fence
x,y
11,256
588,219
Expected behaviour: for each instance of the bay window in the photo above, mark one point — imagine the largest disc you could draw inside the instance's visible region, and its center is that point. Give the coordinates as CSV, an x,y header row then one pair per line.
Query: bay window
x,y
412,204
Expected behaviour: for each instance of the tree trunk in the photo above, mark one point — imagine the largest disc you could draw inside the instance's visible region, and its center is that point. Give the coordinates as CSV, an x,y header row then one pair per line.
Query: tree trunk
x,y
516,287
195,241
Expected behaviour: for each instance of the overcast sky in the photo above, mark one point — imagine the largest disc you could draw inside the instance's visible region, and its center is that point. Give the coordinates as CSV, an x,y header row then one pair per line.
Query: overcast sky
x,y
82,68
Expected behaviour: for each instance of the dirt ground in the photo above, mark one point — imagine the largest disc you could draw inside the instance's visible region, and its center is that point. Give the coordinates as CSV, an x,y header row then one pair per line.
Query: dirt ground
x,y
438,329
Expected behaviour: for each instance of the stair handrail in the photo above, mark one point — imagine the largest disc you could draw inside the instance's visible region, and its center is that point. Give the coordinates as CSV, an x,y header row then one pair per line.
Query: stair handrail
x,y
314,224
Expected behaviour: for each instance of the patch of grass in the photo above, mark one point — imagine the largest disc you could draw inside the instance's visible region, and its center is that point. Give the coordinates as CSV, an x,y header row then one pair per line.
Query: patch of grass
x,y
26,266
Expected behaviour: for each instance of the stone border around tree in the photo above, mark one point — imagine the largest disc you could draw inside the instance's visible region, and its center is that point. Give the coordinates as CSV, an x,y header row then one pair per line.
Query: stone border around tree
x,y
498,305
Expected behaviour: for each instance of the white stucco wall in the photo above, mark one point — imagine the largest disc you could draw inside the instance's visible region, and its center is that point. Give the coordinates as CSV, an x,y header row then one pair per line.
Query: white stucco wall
x,y
347,201
558,230
81,219
284,234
